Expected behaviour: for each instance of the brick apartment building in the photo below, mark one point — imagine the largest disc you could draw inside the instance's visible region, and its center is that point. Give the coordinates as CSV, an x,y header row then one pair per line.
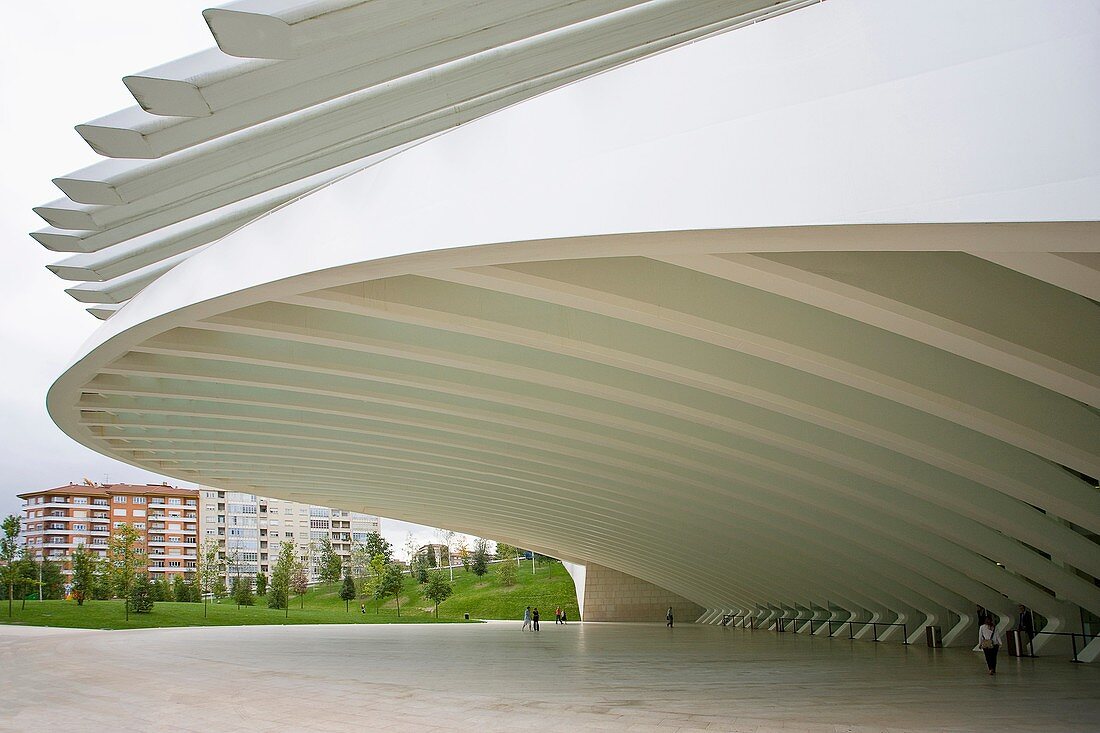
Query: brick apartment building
x,y
56,521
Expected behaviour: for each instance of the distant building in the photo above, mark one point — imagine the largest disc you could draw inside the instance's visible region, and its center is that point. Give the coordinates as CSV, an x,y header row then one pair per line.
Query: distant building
x,y
440,554
250,529
57,521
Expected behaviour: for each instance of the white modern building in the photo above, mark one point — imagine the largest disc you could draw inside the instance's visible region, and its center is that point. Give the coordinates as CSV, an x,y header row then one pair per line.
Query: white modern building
x,y
781,310
250,530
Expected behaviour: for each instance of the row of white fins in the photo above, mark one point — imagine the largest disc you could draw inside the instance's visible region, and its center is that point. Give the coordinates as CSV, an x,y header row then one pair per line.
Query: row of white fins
x,y
298,94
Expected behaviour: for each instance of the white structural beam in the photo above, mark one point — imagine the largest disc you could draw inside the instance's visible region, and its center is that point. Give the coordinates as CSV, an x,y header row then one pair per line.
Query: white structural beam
x,y
211,81
777,302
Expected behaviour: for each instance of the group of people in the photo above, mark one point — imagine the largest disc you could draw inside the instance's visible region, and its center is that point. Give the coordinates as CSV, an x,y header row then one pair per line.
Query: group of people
x,y
531,618
990,640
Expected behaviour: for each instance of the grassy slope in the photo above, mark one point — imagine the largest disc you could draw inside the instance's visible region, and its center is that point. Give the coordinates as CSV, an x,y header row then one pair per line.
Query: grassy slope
x,y
482,598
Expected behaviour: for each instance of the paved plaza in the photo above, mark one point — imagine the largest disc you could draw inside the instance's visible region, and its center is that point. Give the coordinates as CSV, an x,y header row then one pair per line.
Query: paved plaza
x,y
491,677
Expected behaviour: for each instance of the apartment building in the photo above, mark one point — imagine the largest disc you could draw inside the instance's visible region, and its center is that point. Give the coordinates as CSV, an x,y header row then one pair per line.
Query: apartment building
x,y
250,530
58,520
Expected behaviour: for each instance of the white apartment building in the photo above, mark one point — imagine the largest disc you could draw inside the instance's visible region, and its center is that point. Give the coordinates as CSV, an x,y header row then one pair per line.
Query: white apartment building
x,y
250,530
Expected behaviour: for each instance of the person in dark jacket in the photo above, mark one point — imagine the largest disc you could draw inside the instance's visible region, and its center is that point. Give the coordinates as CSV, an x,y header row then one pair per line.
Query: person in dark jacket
x,y
668,617
535,619
1026,623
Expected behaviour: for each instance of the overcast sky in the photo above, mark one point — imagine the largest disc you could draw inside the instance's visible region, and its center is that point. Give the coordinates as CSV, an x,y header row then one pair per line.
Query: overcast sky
x,y
61,64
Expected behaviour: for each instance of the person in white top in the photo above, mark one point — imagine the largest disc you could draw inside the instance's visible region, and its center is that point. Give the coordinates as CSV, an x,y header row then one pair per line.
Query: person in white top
x,y
526,619
989,641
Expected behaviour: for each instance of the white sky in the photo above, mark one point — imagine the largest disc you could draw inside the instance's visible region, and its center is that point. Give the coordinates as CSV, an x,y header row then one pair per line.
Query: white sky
x,y
61,64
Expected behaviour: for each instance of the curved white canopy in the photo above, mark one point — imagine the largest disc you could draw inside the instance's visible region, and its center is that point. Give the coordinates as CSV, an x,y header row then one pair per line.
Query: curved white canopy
x,y
799,319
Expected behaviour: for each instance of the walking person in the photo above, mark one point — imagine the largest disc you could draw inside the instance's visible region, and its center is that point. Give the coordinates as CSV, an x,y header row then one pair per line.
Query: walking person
x,y
563,617
989,641
668,617
1025,622
526,619
535,619
557,615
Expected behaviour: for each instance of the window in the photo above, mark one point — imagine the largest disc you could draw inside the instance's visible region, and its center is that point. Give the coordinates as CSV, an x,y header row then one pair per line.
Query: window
x,y
274,534
80,528
288,510
139,525
318,511
174,563
80,500
99,502
120,512
139,512
157,563
119,499
119,525
318,524
318,535
191,502
174,501
138,500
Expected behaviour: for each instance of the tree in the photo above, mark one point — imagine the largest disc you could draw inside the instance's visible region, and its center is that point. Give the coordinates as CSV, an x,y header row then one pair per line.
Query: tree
x,y
26,576
261,584
232,563
480,563
347,592
420,569
372,581
278,595
299,581
219,591
243,592
141,594
464,554
83,563
439,589
376,544
390,584
331,565
507,572
410,548
211,572
101,587
125,556
180,592
51,580
10,571
506,551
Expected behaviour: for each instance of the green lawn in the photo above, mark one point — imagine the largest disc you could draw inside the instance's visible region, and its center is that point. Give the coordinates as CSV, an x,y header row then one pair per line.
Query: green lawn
x,y
482,598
